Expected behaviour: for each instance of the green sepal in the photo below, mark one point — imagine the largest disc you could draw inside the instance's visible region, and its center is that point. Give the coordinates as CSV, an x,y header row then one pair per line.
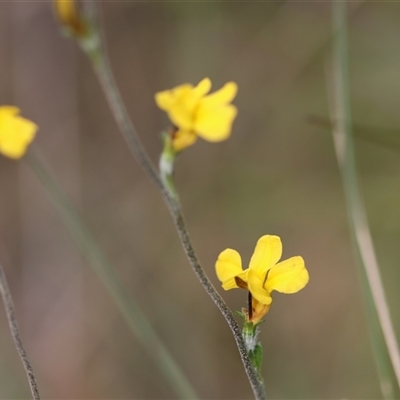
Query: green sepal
x,y
256,356
167,164
249,329
90,43
240,314
254,348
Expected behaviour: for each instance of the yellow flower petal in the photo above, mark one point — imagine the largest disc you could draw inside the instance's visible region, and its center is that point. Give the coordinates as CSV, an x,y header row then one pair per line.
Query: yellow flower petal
x,y
215,124
229,265
180,104
181,113
183,139
222,96
237,281
267,253
6,111
166,99
15,132
288,276
255,283
202,88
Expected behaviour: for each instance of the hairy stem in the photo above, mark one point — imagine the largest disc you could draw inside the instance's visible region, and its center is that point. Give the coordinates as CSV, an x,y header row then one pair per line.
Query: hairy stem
x,y
103,71
12,323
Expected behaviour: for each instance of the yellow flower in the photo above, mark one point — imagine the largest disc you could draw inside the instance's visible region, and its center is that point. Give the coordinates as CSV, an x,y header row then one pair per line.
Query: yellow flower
x,y
68,14
264,274
15,132
194,113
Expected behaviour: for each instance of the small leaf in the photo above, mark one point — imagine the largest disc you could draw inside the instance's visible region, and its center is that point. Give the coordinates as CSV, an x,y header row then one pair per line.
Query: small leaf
x,y
240,314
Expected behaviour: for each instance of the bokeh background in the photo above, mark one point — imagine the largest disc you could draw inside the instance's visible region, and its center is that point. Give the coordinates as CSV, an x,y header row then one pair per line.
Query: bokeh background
x,y
277,174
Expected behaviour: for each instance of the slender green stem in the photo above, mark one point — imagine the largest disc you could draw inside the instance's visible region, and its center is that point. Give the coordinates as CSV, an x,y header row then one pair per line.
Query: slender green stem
x,y
378,310
12,323
103,71
131,311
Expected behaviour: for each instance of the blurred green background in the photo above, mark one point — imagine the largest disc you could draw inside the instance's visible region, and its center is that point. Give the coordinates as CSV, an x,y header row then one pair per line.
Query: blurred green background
x,y
277,174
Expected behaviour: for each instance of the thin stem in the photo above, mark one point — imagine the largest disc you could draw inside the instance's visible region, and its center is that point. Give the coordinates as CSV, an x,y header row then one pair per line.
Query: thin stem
x,y
103,71
12,323
130,310
344,146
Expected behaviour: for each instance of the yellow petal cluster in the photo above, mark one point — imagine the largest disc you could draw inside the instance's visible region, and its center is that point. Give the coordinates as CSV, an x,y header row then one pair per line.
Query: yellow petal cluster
x,y
16,132
68,14
195,113
264,275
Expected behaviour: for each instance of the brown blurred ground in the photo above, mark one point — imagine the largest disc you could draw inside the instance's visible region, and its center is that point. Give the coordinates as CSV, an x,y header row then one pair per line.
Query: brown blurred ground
x,y
277,174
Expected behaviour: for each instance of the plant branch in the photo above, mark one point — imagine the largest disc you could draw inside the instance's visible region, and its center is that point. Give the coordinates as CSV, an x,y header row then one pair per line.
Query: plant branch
x,y
130,310
344,146
12,323
102,68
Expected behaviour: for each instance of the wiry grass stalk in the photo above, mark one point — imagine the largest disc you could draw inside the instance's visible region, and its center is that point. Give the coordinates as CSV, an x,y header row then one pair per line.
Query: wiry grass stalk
x,y
103,71
380,323
130,310
12,323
